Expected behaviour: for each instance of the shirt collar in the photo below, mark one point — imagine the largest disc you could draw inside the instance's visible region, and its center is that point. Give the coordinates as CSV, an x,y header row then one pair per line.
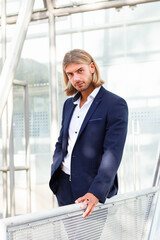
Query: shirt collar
x,y
94,93
91,96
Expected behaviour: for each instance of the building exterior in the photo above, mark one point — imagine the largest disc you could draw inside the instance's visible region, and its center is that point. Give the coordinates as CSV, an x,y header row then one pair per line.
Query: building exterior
x,y
124,40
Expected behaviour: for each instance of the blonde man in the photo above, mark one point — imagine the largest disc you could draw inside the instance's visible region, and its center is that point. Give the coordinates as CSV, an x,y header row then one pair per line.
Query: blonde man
x,y
91,141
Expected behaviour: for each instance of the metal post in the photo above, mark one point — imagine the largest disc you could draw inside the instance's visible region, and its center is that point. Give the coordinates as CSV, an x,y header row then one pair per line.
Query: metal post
x,y
155,228
4,116
3,27
4,150
10,65
133,156
156,180
154,232
3,231
53,82
11,153
27,146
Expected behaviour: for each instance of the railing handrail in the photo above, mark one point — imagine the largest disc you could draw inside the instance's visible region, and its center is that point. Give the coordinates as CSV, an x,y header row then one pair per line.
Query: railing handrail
x,y
70,210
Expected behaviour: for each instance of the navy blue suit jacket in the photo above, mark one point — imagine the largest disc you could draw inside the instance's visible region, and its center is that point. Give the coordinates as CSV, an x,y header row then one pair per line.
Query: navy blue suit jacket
x,y
98,149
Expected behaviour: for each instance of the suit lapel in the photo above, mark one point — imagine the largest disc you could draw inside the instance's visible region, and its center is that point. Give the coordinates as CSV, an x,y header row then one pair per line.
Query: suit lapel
x,y
91,110
68,118
68,113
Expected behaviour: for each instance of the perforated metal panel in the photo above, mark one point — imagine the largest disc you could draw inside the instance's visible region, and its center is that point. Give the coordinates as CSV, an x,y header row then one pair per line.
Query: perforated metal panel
x,y
146,116
123,218
39,124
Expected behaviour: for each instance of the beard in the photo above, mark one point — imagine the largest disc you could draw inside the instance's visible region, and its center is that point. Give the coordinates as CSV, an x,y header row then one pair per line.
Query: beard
x,y
83,85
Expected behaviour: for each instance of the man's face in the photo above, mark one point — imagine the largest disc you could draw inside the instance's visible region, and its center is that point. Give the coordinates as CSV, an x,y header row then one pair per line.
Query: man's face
x,y
80,75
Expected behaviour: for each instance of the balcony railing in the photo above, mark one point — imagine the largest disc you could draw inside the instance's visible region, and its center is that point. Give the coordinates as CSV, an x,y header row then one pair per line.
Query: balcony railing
x,y
125,217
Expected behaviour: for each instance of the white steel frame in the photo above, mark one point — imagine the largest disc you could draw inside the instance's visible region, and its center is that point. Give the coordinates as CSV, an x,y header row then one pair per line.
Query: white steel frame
x,y
10,65
6,104
63,11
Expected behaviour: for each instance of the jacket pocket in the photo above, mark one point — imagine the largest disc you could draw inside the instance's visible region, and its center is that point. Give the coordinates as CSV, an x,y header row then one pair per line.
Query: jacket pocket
x,y
95,119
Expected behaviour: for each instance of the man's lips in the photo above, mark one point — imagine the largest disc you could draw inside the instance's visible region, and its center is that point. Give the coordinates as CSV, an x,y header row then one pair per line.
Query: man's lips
x,y
79,84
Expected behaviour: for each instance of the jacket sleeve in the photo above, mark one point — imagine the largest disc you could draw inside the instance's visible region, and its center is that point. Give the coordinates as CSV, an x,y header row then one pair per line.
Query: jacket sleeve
x,y
115,135
58,147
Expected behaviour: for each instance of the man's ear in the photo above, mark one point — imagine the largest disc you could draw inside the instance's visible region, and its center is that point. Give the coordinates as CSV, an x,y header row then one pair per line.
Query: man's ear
x,y
92,67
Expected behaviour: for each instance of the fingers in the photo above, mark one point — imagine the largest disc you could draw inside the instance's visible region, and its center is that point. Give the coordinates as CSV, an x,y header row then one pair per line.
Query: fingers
x,y
84,201
79,200
88,211
90,200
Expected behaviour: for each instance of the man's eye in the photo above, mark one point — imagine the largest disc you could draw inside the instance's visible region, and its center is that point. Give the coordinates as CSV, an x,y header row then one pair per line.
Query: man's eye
x,y
69,74
80,70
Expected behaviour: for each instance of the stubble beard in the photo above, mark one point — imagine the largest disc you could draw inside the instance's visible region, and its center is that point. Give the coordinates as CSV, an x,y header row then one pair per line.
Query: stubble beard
x,y
85,87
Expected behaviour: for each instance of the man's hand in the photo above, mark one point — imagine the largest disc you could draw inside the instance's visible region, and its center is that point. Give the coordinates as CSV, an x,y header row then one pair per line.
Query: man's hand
x,y
90,200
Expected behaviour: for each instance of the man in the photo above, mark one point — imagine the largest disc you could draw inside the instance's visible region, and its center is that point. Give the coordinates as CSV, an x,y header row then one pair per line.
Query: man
x,y
94,126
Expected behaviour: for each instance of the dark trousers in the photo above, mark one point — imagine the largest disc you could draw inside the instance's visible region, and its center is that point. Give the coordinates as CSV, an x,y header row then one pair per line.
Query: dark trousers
x,y
82,227
64,193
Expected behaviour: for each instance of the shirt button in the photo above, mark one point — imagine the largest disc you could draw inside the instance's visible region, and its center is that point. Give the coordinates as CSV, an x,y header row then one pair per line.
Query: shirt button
x,y
76,132
77,116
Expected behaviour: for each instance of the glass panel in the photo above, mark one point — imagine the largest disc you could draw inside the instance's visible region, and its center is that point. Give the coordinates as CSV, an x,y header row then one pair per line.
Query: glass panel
x,y
125,45
39,4
65,3
19,127
12,6
34,69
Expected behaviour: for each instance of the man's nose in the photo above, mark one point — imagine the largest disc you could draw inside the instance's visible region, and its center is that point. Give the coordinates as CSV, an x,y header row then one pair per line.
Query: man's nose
x,y
76,77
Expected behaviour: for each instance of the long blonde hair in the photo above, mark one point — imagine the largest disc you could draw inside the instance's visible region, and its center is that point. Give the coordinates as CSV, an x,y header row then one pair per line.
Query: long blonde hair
x,y
79,56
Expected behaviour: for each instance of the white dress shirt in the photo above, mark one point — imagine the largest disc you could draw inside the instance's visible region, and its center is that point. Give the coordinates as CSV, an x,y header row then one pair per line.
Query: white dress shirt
x,y
75,125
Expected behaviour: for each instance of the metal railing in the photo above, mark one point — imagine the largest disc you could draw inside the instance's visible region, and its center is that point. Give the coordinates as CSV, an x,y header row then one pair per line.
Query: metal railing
x,y
124,217
155,228
11,168
129,216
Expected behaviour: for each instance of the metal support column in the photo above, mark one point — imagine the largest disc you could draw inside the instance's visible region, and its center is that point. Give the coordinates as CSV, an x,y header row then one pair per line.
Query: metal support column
x,y
4,156
27,147
4,116
155,228
156,180
11,153
3,27
53,82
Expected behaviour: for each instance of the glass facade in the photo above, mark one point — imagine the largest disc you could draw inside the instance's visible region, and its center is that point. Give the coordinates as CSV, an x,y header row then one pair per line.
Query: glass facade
x,y
69,3
34,69
125,45
13,6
